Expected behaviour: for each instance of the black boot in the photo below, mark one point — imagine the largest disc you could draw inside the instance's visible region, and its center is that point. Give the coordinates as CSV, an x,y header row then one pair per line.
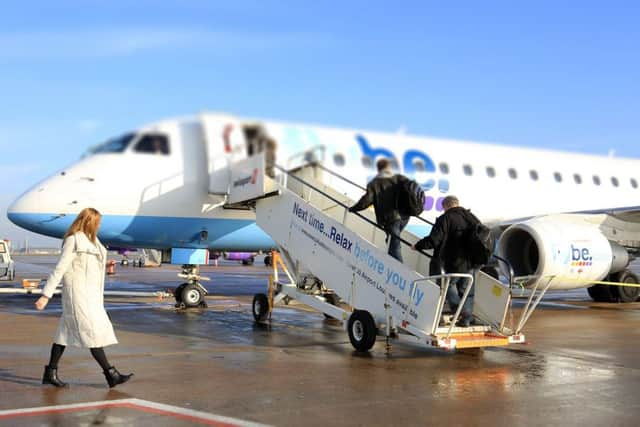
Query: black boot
x,y
50,376
114,377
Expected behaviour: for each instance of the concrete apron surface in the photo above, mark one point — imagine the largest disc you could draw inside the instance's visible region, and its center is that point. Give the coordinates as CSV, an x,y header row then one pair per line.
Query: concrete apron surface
x,y
581,365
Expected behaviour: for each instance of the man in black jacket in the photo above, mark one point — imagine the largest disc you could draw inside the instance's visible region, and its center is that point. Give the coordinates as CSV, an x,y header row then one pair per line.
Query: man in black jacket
x,y
447,239
382,194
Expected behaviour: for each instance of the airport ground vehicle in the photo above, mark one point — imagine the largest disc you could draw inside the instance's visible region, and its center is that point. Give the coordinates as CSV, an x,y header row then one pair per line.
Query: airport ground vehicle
x,y
7,265
337,263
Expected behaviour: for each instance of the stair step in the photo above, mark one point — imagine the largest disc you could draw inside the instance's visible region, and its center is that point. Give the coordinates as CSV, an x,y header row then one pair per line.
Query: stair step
x,y
475,329
479,340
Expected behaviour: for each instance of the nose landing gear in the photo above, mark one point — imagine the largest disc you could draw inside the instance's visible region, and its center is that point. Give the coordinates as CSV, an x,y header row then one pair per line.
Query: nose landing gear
x,y
191,293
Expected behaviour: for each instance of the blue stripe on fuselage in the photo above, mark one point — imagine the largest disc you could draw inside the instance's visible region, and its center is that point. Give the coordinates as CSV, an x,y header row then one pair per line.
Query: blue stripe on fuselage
x,y
157,232
168,232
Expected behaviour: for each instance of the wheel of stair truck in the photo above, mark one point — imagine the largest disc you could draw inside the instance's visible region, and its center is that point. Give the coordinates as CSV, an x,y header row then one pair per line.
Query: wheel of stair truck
x,y
362,330
260,307
626,293
602,293
191,295
248,261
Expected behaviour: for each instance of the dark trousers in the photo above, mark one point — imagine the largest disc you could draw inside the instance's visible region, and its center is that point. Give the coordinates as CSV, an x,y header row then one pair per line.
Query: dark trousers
x,y
395,229
457,286
96,352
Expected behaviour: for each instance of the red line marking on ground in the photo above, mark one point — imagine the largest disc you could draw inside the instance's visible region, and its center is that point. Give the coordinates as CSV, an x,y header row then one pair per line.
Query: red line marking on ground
x,y
179,415
30,412
35,411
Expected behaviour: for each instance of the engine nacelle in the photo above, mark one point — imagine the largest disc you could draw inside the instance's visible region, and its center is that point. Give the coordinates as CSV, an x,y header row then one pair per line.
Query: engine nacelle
x,y
567,247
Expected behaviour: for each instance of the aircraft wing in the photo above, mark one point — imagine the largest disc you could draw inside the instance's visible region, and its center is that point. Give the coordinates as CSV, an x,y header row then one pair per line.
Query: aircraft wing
x,y
627,214
630,214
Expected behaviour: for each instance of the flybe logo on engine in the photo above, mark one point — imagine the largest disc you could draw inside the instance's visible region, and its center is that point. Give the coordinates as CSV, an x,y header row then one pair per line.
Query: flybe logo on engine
x,y
580,256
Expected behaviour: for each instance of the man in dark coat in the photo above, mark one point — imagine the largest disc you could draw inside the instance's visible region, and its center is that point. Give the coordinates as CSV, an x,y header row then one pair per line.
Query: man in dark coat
x,y
382,194
447,239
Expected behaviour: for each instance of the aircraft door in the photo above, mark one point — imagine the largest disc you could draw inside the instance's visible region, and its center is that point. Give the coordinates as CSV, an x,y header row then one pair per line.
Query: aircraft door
x,y
225,144
259,141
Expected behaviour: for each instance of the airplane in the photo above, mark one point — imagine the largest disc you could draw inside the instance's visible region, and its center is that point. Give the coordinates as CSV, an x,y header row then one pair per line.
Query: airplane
x,y
569,215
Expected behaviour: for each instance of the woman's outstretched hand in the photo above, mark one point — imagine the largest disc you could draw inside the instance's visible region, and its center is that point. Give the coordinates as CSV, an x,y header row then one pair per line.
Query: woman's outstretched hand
x,y
42,302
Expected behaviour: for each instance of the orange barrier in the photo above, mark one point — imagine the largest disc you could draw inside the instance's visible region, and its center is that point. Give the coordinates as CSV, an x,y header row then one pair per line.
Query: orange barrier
x,y
30,283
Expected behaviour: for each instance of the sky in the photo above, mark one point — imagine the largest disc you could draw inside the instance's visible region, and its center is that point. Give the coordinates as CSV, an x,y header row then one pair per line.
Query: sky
x,y
550,74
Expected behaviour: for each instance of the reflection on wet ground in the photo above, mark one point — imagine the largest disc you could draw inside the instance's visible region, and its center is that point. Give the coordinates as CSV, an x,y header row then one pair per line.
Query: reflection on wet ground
x,y
581,366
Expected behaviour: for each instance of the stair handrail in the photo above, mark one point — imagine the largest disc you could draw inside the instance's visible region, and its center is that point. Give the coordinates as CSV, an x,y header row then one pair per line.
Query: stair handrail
x,y
510,270
339,203
308,155
355,184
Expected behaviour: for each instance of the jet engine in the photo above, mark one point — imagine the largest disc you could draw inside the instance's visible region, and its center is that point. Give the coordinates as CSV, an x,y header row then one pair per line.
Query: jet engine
x,y
564,248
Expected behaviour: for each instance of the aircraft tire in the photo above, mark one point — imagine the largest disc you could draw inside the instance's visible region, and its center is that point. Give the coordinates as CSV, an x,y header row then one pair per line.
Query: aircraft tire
x,y
627,293
362,330
191,295
601,293
177,293
260,308
268,260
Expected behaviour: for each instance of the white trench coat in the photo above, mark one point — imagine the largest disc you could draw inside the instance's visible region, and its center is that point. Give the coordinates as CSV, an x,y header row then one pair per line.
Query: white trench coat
x,y
84,321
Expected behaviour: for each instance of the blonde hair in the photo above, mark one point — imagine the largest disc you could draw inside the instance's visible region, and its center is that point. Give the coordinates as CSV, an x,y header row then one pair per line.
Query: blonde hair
x,y
87,221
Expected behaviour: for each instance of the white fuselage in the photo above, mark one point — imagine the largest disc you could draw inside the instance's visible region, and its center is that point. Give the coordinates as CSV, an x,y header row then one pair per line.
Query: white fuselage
x,y
163,200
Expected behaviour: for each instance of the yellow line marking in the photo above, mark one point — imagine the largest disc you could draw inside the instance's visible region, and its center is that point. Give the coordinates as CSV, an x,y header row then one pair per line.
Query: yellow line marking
x,y
593,282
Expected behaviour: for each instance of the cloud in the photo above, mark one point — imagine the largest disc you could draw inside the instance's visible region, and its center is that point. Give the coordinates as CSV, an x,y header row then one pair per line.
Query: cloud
x,y
105,43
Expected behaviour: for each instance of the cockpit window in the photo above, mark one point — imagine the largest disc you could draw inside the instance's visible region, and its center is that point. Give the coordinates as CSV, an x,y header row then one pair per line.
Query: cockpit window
x,y
114,145
153,144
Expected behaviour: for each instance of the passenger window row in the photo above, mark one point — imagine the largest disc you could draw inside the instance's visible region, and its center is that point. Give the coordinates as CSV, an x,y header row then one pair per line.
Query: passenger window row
x,y
534,176
419,166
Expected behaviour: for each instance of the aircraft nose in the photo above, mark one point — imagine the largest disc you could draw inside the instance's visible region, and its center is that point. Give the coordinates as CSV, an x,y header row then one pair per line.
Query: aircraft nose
x,y
43,208
23,210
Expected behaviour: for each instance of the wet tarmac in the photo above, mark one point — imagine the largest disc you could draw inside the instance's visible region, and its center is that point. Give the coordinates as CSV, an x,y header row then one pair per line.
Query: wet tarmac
x,y
581,365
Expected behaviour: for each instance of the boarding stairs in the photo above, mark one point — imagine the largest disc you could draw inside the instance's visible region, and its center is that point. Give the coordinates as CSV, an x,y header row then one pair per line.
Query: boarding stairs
x,y
337,263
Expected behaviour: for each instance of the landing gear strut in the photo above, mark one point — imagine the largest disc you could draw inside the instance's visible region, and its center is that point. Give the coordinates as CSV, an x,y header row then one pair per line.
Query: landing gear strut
x,y
191,293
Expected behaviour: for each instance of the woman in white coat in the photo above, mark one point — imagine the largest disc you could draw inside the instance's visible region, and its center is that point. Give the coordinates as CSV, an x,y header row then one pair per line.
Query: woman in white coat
x,y
84,321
